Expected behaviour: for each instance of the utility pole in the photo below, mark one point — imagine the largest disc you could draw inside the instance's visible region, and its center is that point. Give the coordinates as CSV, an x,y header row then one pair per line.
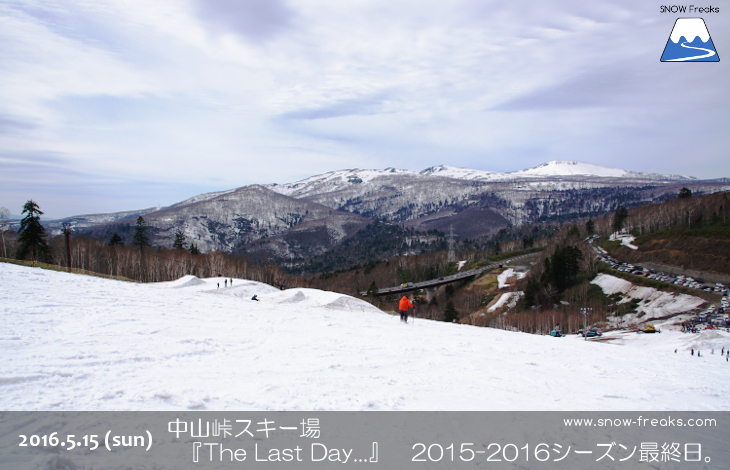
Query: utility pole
x,y
67,229
452,255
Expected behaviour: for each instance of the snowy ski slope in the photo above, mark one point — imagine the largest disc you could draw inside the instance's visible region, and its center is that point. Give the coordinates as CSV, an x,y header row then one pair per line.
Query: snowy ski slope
x,y
74,342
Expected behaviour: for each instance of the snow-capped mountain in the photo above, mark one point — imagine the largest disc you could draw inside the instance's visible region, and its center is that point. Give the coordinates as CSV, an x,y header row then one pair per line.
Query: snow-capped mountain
x,y
573,168
406,196
555,171
228,220
311,216
335,180
463,173
81,222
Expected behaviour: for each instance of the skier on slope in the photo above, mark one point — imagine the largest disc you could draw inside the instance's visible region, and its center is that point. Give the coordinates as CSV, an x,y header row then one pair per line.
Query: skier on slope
x,y
403,308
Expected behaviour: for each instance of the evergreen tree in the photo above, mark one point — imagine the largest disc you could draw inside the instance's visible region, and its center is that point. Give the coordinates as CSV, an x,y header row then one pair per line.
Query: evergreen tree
x,y
116,240
179,242
527,242
532,292
619,217
140,238
194,249
32,238
449,290
450,313
373,289
684,193
590,227
561,270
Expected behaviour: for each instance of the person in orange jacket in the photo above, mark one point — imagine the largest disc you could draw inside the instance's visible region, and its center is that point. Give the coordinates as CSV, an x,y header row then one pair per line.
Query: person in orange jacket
x,y
403,308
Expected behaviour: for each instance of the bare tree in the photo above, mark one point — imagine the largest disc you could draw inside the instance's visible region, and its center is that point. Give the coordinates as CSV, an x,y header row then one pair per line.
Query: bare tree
x,y
4,222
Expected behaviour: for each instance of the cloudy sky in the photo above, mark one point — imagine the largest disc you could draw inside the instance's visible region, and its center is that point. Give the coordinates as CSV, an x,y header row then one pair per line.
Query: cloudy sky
x,y
118,105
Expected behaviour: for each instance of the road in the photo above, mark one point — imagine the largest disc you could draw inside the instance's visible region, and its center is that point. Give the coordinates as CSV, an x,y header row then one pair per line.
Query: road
x,y
448,279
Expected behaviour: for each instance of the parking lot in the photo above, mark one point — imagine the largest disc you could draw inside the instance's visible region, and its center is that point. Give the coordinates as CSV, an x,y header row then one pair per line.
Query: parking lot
x,y
715,315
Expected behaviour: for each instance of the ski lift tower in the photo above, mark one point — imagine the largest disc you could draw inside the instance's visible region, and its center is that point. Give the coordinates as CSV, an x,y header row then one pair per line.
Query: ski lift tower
x,y
585,311
452,255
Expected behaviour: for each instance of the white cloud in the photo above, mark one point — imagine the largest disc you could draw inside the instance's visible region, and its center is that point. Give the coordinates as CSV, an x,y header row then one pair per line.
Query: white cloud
x,y
219,94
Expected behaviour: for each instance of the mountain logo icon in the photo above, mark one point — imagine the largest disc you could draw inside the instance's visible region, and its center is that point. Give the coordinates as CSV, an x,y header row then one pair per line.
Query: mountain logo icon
x,y
690,41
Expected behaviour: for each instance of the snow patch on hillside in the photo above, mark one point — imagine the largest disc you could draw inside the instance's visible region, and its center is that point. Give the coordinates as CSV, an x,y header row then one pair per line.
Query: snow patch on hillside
x,y
652,302
507,274
625,239
506,301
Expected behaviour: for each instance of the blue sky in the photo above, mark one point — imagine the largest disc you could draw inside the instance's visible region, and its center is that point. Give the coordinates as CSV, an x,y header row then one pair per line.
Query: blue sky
x,y
120,105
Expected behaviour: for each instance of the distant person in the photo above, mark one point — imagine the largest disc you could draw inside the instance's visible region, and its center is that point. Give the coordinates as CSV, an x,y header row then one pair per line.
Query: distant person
x,y
403,306
231,282
255,297
225,283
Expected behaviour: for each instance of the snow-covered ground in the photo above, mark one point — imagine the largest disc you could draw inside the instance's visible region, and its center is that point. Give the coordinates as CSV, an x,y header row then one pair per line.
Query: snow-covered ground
x,y
652,302
73,342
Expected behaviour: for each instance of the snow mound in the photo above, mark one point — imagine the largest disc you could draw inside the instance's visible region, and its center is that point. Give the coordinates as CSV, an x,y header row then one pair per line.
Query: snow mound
x,y
315,298
707,340
298,297
185,281
241,288
345,302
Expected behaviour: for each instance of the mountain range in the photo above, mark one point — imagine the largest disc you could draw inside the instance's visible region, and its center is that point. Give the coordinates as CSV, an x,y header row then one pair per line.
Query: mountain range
x,y
295,222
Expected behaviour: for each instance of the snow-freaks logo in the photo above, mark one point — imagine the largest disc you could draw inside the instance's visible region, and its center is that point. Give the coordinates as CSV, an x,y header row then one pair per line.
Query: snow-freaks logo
x,y
690,41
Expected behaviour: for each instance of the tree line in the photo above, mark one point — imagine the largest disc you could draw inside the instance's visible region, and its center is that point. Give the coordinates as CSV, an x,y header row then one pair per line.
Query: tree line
x,y
138,261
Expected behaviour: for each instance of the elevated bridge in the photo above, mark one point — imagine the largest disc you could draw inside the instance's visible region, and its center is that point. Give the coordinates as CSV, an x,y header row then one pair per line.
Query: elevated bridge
x,y
431,285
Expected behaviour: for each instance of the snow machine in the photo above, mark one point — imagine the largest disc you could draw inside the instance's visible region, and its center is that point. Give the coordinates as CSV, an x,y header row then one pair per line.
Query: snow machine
x,y
556,333
593,333
649,329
